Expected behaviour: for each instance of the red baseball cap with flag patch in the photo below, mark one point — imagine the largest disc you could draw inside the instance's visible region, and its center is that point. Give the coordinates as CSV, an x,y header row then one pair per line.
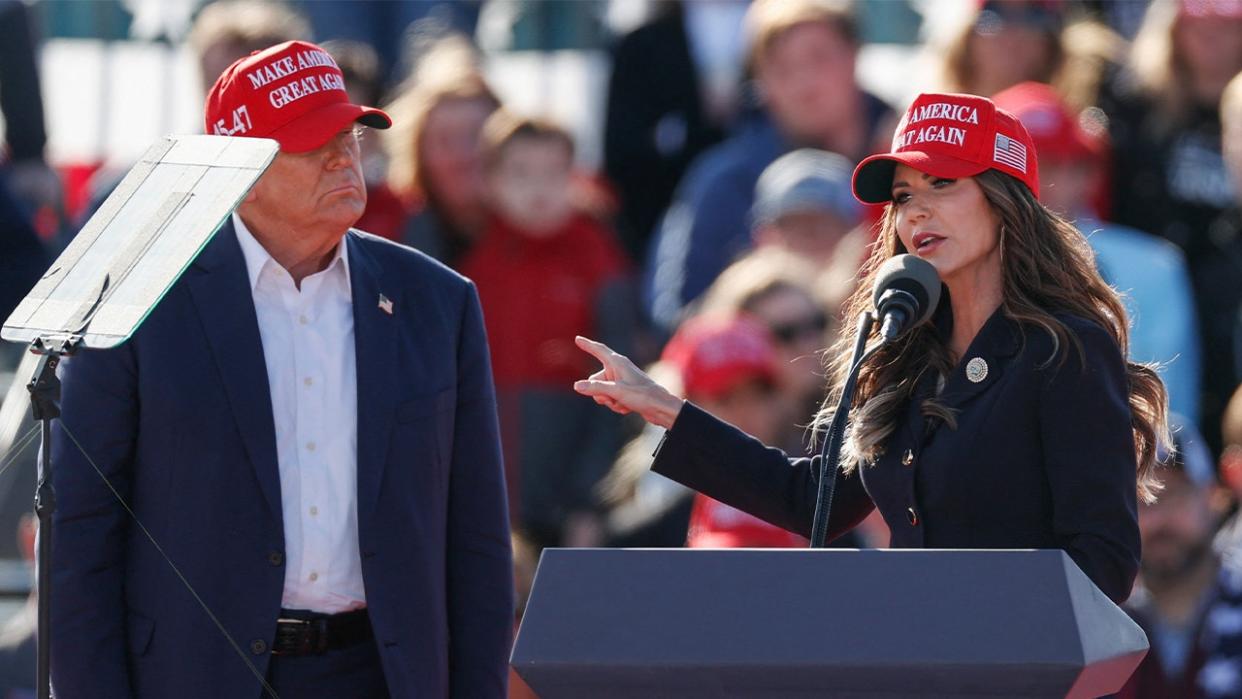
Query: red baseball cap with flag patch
x,y
293,93
950,135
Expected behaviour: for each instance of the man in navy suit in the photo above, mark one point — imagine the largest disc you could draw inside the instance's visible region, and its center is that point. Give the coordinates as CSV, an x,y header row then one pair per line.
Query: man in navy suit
x,y
306,425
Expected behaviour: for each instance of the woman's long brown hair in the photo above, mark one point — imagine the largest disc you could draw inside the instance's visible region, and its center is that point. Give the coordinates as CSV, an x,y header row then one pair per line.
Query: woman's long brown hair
x,y
1047,267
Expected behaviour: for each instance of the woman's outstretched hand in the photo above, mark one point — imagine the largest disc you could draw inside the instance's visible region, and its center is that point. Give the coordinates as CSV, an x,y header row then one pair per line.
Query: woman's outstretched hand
x,y
624,388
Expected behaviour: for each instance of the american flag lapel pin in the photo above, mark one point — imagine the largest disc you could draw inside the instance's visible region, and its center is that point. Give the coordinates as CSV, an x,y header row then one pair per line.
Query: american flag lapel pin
x,y
385,304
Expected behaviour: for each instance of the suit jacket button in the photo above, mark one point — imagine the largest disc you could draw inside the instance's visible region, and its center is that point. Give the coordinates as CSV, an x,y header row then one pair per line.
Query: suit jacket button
x,y
907,458
258,646
912,516
276,558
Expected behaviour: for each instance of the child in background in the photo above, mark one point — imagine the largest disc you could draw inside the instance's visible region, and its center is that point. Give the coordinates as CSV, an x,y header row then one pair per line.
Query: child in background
x,y
542,269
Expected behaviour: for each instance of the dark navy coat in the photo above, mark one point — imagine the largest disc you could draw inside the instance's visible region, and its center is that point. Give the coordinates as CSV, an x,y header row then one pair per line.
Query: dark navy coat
x,y
1043,457
179,418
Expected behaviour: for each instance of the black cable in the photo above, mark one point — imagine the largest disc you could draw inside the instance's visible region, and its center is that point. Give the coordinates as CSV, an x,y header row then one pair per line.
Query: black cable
x,y
237,648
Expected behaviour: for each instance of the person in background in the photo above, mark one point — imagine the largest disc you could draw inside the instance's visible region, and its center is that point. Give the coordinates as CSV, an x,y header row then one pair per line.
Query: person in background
x,y
1149,271
227,30
1168,174
35,186
544,273
673,93
778,289
23,257
644,509
728,366
803,204
435,164
1187,601
803,55
1006,42
223,31
385,213
1215,272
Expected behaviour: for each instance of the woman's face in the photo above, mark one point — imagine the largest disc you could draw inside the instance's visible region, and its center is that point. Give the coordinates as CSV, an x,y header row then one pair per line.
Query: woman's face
x,y
449,152
1011,43
947,222
799,328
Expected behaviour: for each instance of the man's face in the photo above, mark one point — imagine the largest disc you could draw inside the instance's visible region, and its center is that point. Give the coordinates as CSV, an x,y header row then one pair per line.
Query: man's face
x,y
812,235
1176,529
320,190
806,75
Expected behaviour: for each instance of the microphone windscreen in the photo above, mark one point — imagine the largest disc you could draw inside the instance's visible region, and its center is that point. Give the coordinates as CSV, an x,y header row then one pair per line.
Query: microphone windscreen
x,y
912,274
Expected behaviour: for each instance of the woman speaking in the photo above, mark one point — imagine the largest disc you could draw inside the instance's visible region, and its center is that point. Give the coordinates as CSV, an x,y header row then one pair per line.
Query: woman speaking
x,y
1010,420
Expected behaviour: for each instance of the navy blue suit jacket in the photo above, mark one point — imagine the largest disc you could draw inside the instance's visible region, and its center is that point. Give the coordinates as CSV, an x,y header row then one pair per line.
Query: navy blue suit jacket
x,y
179,419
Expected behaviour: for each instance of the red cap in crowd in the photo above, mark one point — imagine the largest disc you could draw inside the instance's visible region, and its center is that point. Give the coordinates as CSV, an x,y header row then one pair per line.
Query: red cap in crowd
x,y
1053,128
717,354
293,93
1215,9
952,136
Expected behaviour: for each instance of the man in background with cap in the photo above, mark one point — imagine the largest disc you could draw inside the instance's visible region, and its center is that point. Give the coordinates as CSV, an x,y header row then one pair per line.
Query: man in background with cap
x,y
803,204
306,424
1190,592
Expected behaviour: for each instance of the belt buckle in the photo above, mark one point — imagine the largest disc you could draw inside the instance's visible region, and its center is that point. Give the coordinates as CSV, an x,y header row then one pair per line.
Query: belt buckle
x,y
306,636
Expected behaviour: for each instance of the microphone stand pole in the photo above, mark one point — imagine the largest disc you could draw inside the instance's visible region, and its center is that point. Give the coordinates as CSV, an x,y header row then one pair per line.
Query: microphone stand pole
x,y
44,403
830,454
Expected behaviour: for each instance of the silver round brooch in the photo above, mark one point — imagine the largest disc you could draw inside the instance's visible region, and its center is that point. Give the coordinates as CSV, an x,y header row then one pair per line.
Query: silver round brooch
x,y
976,370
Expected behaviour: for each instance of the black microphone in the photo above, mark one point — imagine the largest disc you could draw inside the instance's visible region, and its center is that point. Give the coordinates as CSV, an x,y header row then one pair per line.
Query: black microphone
x,y
907,289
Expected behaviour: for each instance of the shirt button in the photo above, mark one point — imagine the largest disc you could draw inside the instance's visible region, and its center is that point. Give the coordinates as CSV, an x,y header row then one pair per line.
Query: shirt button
x,y
258,646
314,510
308,381
912,516
276,558
310,446
314,577
303,320
907,458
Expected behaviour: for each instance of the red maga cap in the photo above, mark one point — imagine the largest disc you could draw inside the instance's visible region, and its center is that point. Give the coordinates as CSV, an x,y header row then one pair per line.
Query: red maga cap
x,y
715,354
1053,128
293,93
951,136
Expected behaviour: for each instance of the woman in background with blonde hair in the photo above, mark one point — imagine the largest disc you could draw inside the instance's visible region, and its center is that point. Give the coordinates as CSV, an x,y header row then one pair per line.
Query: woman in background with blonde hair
x,y
435,161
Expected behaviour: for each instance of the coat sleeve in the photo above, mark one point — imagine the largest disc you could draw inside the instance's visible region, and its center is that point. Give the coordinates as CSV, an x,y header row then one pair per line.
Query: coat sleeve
x,y
722,462
480,566
1090,462
99,407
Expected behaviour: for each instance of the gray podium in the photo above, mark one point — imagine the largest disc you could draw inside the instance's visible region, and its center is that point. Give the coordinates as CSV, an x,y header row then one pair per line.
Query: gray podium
x,y
846,624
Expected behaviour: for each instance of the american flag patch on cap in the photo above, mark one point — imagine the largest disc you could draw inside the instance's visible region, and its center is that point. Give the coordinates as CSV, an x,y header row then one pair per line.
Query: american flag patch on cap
x,y
1010,152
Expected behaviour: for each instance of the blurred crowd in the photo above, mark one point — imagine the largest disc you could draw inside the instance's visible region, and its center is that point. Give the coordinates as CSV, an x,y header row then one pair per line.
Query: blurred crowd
x,y
719,237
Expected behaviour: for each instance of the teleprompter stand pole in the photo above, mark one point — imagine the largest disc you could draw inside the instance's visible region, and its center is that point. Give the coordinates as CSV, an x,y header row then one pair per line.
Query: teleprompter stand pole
x,y
44,390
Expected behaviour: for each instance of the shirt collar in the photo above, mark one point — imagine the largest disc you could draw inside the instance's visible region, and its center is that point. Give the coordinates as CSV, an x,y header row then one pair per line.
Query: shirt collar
x,y
257,257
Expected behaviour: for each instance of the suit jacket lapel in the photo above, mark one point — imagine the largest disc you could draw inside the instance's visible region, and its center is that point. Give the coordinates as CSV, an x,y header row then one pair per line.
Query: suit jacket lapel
x,y
997,341
220,288
375,343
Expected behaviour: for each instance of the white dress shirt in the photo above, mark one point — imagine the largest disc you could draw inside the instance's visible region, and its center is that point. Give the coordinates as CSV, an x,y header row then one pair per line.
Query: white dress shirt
x,y
308,346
